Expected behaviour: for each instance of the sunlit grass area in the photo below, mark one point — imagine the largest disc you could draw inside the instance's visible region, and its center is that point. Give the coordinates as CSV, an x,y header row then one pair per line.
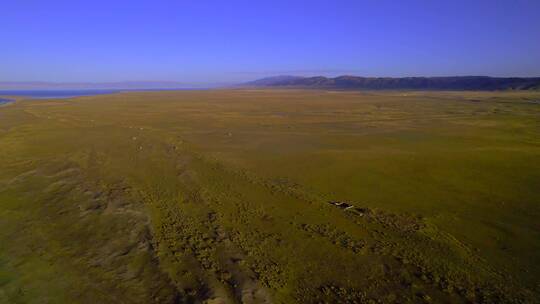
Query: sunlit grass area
x,y
224,196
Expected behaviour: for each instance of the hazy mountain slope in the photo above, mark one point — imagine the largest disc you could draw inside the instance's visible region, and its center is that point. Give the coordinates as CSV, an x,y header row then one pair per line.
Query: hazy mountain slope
x,y
412,83
275,79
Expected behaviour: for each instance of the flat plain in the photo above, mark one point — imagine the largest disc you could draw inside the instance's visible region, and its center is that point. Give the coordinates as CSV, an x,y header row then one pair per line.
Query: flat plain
x,y
233,196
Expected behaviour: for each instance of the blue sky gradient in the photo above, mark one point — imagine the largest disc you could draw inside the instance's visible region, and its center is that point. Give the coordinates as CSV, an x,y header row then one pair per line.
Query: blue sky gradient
x,y
232,41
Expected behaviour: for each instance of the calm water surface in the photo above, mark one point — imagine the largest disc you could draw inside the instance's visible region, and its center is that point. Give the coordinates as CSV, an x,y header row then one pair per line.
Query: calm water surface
x,y
43,94
5,100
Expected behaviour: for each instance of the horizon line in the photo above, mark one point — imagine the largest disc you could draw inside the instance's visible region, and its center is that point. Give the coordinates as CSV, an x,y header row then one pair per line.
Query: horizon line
x,y
179,82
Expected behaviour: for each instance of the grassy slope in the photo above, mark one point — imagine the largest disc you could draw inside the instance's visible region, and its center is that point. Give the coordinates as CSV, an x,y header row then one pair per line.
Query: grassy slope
x,y
222,196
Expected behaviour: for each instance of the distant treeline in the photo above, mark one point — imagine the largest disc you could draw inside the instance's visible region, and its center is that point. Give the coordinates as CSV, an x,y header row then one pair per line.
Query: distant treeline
x,y
404,83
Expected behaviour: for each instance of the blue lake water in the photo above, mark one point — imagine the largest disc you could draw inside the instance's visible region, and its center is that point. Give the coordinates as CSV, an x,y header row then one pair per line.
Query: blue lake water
x,y
53,93
5,100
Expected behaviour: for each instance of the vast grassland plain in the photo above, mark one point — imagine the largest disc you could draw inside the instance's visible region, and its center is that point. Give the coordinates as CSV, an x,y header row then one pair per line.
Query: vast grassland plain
x,y
222,196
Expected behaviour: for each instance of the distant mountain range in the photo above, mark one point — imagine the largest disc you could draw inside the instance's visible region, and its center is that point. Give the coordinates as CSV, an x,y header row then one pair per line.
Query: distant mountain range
x,y
404,83
126,85
341,82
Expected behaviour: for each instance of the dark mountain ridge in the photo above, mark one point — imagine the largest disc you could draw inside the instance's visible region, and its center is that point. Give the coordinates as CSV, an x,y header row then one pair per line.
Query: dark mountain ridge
x,y
403,83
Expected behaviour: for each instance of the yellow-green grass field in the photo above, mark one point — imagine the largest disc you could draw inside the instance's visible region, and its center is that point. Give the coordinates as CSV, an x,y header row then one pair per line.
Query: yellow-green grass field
x,y
222,196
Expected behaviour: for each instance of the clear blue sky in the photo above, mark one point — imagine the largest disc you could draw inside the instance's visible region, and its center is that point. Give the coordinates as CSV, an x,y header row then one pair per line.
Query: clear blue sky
x,y
228,41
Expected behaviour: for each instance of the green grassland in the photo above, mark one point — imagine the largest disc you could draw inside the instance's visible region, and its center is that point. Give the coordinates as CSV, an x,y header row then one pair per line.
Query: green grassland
x,y
222,196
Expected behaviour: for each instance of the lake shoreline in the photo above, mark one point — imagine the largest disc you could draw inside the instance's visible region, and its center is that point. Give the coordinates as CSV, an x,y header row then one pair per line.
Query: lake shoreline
x,y
6,101
62,94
